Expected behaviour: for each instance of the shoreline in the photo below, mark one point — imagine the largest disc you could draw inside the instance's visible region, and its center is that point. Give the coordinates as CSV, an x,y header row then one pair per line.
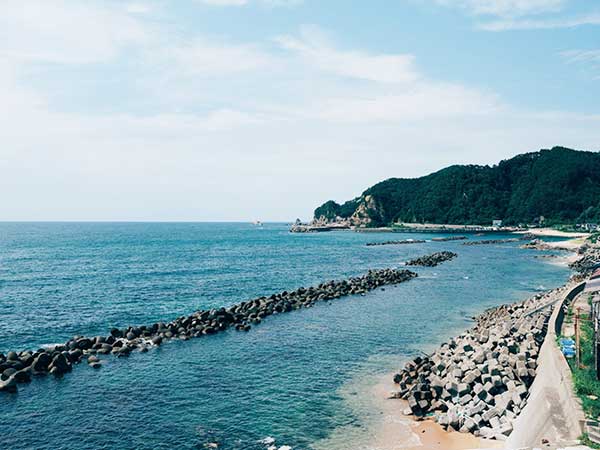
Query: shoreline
x,y
397,429
424,433
551,232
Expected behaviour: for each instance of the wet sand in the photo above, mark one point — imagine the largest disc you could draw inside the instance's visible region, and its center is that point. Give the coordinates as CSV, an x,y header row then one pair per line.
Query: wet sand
x,y
399,432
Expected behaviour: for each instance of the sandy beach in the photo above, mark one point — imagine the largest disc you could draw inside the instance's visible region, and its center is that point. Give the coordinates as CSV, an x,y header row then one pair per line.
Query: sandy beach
x,y
551,232
397,431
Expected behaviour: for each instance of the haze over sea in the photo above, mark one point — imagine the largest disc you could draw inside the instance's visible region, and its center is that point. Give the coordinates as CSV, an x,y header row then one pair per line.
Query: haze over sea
x,y
295,377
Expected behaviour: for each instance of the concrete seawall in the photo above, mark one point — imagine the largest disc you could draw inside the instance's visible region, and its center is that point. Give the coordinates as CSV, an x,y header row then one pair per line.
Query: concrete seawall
x,y
553,412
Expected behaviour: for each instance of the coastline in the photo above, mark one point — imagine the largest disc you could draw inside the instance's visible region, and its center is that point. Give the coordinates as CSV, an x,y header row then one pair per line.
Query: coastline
x,y
551,232
397,430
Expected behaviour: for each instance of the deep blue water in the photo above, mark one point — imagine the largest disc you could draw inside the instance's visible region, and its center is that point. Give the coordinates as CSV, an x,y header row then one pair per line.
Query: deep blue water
x,y
285,378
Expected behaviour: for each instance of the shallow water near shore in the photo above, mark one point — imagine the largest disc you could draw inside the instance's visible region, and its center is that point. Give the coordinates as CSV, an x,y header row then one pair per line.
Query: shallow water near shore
x,y
298,377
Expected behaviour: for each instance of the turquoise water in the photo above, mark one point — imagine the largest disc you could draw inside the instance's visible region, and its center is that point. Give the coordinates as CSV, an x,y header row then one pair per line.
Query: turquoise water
x,y
286,378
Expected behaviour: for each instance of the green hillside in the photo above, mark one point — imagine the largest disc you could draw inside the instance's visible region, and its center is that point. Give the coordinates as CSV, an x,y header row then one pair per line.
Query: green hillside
x,y
560,184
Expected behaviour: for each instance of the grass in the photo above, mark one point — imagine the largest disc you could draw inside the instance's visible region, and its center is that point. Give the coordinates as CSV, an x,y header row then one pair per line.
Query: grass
x,y
585,440
584,378
565,227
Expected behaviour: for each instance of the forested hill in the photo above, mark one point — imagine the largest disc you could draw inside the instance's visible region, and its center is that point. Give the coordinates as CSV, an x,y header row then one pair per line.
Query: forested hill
x,y
560,184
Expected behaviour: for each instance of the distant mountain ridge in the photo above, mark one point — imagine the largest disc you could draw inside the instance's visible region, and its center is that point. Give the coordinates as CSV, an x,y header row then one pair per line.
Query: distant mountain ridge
x,y
560,184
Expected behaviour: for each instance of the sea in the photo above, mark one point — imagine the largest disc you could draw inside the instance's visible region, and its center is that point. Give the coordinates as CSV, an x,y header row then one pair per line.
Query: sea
x,y
298,378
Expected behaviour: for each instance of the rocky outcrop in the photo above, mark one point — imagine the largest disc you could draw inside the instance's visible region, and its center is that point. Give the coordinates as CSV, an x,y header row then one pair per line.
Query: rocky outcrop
x,y
432,260
589,260
405,241
367,213
538,244
58,360
478,382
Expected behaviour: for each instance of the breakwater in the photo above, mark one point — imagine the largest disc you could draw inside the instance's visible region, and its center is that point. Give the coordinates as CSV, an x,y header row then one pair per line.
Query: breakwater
x,y
479,381
449,238
20,367
402,242
432,260
525,237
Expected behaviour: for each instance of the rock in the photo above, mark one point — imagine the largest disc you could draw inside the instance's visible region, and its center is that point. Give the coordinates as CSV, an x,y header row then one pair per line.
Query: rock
x,y
84,344
22,376
41,363
8,385
59,364
432,260
8,373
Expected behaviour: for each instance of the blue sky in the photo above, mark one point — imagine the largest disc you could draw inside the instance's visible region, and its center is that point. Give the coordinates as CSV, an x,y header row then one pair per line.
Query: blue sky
x,y
263,109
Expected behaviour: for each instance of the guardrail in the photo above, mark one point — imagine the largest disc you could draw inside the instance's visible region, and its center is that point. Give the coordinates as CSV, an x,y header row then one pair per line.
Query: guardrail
x,y
564,306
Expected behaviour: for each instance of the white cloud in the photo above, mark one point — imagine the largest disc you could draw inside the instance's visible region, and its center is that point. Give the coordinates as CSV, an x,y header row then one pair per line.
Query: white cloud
x,y
138,8
541,24
420,102
589,60
506,15
65,31
311,118
224,2
314,47
506,8
576,56
246,2
202,57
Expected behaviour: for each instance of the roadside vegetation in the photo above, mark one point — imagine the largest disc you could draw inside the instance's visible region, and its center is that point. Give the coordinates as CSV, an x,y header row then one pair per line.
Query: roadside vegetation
x,y
587,387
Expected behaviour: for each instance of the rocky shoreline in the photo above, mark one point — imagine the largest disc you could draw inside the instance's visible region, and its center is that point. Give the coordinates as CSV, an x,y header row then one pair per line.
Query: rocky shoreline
x,y
20,367
538,244
432,260
478,381
589,260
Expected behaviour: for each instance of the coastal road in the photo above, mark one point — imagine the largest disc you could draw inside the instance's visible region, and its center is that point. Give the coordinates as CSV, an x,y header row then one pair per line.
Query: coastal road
x,y
553,416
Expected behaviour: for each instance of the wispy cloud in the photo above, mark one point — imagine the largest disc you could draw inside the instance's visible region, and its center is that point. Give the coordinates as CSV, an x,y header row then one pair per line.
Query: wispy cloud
x,y
67,32
575,56
505,15
205,57
588,59
315,48
233,118
541,24
506,8
247,2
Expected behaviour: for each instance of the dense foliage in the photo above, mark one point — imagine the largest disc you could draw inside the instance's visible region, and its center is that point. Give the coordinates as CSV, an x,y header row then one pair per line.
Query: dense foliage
x,y
560,184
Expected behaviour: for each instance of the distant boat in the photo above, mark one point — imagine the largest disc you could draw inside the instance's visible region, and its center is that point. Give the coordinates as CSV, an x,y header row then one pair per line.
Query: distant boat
x,y
258,223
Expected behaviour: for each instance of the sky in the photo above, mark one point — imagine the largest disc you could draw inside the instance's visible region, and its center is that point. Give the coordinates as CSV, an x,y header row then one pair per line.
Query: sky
x,y
239,110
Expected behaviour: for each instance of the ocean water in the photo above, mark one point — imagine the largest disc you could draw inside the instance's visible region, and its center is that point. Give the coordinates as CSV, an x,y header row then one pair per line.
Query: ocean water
x,y
293,377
